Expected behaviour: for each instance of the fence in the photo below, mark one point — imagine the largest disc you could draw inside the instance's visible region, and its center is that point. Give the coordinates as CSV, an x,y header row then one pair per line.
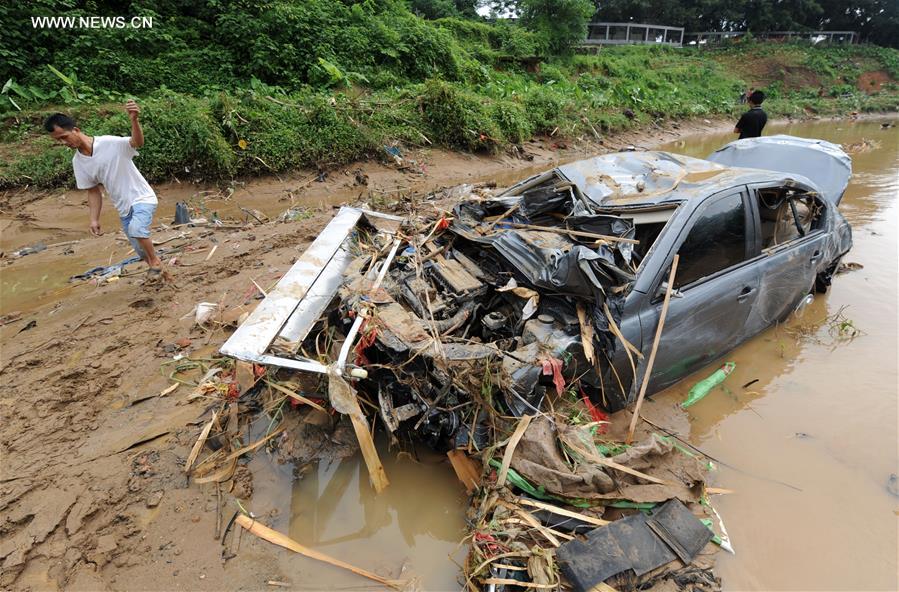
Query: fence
x,y
716,37
630,33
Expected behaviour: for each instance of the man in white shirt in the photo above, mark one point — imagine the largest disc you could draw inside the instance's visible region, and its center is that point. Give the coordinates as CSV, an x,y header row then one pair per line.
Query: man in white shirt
x,y
107,161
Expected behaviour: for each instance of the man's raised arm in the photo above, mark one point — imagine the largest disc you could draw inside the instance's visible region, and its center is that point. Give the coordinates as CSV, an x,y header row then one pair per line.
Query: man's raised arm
x,y
137,134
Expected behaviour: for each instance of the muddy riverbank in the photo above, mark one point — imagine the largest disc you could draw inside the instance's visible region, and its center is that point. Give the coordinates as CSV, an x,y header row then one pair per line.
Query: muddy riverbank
x,y
92,485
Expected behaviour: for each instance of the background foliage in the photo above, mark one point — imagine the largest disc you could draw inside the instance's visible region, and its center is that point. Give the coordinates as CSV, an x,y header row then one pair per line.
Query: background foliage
x,y
243,87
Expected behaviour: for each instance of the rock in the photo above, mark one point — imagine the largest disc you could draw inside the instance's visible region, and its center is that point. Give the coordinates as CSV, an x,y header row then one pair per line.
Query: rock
x,y
154,498
183,342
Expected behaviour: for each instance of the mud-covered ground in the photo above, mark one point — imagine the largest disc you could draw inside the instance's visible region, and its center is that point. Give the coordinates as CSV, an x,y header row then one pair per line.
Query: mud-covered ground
x,y
92,491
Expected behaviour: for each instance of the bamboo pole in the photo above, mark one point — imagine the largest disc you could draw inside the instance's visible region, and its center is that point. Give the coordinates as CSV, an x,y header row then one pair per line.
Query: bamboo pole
x,y
276,538
655,347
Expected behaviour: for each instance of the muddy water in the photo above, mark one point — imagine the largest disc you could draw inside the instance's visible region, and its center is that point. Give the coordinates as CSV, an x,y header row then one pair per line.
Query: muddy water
x,y
410,531
810,446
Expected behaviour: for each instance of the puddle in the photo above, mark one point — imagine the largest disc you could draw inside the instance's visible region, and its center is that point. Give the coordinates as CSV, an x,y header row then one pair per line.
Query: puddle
x,y
411,530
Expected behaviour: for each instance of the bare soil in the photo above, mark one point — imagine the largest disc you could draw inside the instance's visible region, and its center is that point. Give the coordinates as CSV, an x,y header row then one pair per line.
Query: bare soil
x,y
872,82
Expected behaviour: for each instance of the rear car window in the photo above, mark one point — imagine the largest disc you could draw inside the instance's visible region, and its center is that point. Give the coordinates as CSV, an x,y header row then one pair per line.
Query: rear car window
x,y
716,241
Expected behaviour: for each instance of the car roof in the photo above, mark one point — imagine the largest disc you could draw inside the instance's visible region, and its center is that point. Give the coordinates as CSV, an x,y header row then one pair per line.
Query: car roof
x,y
626,179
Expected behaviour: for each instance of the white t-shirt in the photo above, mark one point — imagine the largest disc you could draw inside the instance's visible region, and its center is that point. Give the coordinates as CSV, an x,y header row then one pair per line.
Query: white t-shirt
x,y
111,166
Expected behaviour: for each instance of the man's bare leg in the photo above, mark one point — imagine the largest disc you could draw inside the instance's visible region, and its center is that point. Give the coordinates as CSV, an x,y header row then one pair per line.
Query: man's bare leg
x,y
150,257
153,260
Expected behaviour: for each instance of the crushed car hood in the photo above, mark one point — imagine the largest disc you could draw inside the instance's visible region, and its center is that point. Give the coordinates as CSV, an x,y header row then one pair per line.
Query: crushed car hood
x,y
824,163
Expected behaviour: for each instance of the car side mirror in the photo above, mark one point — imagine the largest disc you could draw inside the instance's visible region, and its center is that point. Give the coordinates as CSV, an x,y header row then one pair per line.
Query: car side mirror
x,y
675,293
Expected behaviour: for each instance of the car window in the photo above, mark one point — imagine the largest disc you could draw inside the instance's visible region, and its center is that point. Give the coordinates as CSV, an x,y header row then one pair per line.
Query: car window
x,y
717,240
786,214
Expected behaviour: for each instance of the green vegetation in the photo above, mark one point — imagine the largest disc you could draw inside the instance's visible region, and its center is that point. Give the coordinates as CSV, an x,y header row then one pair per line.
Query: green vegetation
x,y
320,83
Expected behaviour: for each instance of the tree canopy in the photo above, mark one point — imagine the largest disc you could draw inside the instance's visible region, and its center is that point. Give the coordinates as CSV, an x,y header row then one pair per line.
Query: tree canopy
x,y
877,21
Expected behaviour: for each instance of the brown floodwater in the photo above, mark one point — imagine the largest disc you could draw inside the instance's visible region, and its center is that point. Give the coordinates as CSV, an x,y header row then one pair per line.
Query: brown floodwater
x,y
811,446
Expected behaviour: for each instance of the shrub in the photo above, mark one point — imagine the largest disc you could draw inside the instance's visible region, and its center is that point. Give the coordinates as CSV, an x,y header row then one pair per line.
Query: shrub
x,y
512,121
457,118
544,107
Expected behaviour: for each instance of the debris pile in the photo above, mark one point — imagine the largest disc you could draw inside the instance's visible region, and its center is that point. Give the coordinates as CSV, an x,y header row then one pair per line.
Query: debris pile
x,y
487,332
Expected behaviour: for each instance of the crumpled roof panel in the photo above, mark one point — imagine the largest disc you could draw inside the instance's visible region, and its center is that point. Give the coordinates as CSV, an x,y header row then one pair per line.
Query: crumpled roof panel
x,y
824,162
627,178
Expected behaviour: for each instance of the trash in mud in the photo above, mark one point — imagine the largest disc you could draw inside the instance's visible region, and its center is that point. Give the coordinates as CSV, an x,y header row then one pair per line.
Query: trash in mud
x,y
29,250
705,386
638,542
182,214
848,266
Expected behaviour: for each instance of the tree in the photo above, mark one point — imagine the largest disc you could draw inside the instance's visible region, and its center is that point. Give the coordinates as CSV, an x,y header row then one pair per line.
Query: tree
x,y
562,23
877,21
434,9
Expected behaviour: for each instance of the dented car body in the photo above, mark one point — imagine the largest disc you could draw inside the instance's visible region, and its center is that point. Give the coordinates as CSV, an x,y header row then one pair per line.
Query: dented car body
x,y
556,283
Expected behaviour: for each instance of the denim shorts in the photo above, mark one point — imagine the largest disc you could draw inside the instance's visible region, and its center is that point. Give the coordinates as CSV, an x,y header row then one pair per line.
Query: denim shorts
x,y
137,224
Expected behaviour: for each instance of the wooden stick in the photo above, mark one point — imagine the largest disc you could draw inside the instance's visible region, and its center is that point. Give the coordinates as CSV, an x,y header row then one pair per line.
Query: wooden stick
x,y
533,523
276,538
510,449
602,587
617,239
521,521
625,469
369,452
211,253
512,582
593,456
169,389
652,353
223,474
466,469
294,395
251,447
198,445
562,511
508,212
586,333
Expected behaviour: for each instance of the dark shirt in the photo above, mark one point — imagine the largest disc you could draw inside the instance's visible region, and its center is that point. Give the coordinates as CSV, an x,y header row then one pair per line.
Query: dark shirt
x,y
752,123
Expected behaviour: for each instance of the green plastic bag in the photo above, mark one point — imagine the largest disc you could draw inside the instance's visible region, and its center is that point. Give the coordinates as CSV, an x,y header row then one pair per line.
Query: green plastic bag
x,y
705,386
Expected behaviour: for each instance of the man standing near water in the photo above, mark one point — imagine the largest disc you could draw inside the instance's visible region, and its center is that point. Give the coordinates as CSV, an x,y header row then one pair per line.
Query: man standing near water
x,y
753,121
107,161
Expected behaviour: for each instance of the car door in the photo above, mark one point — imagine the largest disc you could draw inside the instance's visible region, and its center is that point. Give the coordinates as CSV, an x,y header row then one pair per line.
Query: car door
x,y
789,263
717,285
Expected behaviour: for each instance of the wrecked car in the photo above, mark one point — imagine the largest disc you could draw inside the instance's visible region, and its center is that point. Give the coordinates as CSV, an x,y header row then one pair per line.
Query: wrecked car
x,y
753,243
555,284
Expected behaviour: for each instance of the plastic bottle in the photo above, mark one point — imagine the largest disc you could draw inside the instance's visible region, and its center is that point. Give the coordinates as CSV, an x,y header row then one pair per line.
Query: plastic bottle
x,y
704,387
